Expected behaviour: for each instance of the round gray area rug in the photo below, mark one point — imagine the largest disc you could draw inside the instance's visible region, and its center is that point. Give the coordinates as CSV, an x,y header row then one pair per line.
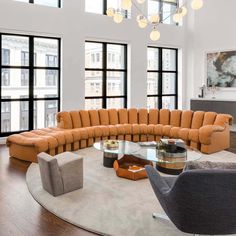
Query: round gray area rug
x,y
107,204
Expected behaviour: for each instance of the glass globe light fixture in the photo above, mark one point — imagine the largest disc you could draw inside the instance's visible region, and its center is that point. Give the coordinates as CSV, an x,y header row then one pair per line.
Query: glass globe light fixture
x,y
126,4
142,23
155,34
118,17
177,17
184,11
110,11
197,4
155,19
141,1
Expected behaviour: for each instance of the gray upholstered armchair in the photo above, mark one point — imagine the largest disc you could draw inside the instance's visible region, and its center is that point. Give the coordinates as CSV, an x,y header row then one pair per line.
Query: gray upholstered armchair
x,y
198,201
62,173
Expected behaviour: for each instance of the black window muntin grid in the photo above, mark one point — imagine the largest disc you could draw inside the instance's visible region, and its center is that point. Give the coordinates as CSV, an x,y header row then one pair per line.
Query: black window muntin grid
x,y
31,67
160,73
104,71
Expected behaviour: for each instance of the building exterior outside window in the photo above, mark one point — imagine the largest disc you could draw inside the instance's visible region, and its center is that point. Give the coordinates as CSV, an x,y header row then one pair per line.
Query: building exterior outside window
x,y
162,78
105,77
23,99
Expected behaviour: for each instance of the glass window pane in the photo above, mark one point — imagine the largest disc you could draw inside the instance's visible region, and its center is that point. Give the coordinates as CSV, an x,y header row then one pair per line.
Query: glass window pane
x,y
152,83
153,7
153,59
168,102
152,102
15,83
14,116
93,55
169,59
94,6
115,103
45,113
46,52
115,56
117,5
115,83
12,48
47,83
51,3
93,104
168,9
168,83
93,83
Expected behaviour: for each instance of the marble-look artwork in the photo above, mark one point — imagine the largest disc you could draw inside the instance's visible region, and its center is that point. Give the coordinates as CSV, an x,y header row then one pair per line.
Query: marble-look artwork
x,y
221,69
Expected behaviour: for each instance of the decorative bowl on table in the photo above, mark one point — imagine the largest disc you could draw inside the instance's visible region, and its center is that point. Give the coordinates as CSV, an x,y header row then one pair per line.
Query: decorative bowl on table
x,y
111,144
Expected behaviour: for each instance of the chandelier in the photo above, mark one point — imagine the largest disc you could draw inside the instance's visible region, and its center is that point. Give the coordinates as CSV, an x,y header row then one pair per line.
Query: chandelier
x,y
154,20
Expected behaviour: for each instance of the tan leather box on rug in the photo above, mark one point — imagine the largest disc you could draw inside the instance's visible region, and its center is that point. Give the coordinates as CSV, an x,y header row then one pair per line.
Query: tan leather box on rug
x,y
131,167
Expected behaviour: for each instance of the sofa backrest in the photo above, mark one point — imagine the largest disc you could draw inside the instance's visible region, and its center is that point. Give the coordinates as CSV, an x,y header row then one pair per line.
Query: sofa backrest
x,y
104,116
133,116
186,119
209,118
175,118
76,119
164,116
197,119
143,116
84,114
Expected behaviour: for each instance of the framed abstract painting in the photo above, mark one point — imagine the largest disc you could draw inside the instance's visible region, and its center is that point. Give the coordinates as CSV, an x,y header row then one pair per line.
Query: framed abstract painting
x,y
221,69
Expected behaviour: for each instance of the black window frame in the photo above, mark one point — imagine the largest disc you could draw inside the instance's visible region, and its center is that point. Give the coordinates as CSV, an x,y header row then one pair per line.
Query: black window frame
x,y
32,68
59,5
104,71
104,10
160,71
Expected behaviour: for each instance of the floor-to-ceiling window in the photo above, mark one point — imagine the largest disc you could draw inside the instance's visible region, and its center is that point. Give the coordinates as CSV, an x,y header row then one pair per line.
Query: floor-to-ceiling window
x,y
30,82
105,75
162,77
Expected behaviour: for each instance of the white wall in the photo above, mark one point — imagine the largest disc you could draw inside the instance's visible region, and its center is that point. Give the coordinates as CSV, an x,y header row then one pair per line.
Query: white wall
x,y
74,26
213,29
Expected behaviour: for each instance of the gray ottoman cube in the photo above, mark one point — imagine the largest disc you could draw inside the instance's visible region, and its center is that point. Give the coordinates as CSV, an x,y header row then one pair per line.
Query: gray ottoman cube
x,y
62,173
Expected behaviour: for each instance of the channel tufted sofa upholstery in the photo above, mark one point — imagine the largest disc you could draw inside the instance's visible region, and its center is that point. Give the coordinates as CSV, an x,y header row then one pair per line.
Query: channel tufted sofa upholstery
x,y
206,131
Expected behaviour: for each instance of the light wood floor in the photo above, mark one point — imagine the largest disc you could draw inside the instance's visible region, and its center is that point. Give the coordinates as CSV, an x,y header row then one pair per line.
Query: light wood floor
x,y
20,214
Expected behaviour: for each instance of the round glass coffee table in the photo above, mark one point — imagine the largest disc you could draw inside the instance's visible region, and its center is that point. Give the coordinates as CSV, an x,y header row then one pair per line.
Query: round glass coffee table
x,y
110,155
169,165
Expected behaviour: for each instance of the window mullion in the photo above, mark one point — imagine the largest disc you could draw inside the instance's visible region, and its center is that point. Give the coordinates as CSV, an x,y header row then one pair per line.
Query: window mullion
x,y
31,83
160,78
104,92
1,83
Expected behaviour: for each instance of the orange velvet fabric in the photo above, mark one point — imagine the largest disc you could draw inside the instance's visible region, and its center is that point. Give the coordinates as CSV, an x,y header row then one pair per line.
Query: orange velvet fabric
x,y
143,116
164,117
153,116
133,116
76,120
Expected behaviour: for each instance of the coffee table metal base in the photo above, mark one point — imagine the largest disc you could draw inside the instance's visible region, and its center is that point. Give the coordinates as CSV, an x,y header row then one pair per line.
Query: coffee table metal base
x,y
108,159
169,171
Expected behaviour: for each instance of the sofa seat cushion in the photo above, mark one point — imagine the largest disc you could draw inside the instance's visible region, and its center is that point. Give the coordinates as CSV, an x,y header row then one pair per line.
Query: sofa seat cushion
x,y
52,141
29,139
194,135
166,130
123,129
183,134
158,130
101,131
174,132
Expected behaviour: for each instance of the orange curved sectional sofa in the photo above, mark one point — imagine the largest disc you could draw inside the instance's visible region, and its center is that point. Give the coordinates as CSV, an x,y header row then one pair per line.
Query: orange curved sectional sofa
x,y
206,131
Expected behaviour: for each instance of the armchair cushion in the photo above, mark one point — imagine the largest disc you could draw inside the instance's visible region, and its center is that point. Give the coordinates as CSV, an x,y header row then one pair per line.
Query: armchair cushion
x,y
192,165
